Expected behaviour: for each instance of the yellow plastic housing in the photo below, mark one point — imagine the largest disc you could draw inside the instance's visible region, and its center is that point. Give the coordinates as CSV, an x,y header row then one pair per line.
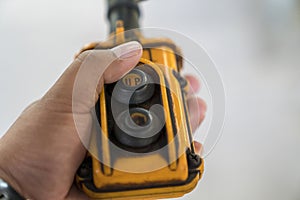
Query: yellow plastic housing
x,y
178,177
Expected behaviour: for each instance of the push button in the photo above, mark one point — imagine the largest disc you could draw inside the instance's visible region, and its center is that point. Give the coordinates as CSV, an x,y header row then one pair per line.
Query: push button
x,y
134,88
137,128
133,79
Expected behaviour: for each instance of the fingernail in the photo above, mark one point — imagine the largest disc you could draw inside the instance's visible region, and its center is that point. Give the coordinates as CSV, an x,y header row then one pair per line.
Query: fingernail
x,y
127,50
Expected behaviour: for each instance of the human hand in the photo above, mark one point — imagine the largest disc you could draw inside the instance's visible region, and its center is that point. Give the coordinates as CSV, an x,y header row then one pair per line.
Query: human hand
x,y
41,152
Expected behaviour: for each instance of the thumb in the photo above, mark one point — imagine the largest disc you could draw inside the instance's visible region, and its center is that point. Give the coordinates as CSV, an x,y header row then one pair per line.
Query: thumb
x,y
78,87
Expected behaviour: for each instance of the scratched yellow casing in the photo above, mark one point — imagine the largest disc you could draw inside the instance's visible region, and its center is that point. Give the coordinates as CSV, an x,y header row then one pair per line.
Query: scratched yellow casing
x,y
182,167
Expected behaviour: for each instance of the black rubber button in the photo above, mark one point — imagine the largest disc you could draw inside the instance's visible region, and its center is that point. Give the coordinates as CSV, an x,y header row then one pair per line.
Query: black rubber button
x,y
137,127
134,88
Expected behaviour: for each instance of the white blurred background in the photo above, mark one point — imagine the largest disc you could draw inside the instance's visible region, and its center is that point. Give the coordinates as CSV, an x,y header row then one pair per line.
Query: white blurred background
x,y
255,44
